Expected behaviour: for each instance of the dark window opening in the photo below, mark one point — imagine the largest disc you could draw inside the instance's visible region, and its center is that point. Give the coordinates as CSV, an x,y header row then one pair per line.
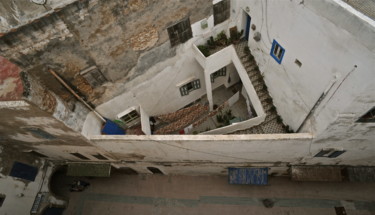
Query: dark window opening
x,y
329,153
99,157
132,116
80,156
180,32
126,171
93,76
368,117
220,72
277,52
155,170
40,133
298,62
2,198
221,11
37,154
340,211
187,88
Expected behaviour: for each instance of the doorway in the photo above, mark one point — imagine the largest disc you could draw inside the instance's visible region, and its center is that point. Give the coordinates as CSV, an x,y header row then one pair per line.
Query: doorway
x,y
247,27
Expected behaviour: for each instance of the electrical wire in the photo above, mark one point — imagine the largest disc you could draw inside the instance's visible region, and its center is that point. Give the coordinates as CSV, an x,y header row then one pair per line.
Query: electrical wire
x,y
209,153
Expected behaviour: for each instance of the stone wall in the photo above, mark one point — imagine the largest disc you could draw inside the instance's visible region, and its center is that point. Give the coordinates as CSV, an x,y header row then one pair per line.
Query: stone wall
x,y
122,38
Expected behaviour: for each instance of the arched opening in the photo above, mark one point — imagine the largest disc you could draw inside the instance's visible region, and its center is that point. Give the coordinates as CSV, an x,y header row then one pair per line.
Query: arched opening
x,y
155,170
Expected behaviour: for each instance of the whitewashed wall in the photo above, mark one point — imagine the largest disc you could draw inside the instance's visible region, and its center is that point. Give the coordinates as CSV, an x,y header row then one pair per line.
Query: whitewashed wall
x,y
208,148
329,40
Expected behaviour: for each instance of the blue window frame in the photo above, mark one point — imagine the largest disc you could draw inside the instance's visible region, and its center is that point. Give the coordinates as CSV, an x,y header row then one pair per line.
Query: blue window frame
x,y
277,51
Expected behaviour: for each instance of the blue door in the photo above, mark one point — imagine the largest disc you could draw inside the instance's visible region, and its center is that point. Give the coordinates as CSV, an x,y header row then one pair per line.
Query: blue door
x,y
247,32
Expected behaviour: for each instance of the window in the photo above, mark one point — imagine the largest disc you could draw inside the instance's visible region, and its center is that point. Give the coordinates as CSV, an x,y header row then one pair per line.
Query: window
x,y
368,117
277,52
2,198
99,157
40,133
329,153
220,72
127,171
155,170
298,62
180,32
35,153
132,116
187,88
221,11
80,156
93,76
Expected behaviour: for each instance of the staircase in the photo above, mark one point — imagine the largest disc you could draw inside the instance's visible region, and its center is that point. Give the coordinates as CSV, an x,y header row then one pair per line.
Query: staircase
x,y
273,123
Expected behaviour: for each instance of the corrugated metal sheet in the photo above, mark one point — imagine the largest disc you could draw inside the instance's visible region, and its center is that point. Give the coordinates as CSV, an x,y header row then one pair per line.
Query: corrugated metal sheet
x,y
316,173
89,169
256,176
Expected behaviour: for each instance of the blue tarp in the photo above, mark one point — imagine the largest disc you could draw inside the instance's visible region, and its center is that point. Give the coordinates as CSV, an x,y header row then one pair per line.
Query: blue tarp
x,y
23,171
111,128
257,176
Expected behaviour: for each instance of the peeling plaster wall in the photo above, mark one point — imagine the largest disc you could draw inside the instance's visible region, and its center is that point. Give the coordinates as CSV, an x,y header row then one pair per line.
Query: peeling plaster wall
x,y
11,87
122,38
17,13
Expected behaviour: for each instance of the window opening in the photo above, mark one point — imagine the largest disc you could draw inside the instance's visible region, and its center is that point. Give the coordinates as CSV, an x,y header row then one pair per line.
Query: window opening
x,y
40,133
329,153
127,171
132,116
220,72
80,156
2,198
277,51
191,86
368,117
93,76
180,32
298,62
35,153
221,11
99,157
155,170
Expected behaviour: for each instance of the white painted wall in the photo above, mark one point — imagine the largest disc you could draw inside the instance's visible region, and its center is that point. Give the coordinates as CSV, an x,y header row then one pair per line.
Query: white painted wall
x,y
329,40
20,196
145,122
209,148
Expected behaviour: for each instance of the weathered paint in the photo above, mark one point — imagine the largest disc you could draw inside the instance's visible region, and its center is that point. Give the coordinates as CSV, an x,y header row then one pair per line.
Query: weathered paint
x,y
11,87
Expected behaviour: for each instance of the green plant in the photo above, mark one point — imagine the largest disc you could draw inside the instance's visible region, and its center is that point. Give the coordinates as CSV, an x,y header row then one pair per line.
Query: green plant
x,y
211,43
221,39
219,118
205,50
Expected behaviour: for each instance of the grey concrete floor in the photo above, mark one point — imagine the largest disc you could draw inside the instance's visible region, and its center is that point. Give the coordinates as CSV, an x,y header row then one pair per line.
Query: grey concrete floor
x,y
159,194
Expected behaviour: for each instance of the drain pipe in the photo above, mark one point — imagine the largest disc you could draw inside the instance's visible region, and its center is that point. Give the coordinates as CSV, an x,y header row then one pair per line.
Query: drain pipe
x,y
324,94
75,94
